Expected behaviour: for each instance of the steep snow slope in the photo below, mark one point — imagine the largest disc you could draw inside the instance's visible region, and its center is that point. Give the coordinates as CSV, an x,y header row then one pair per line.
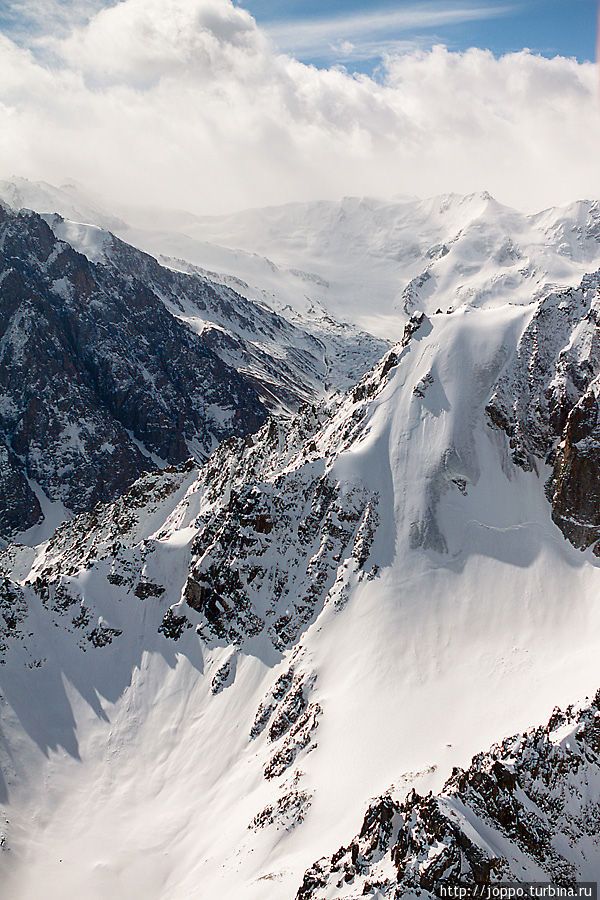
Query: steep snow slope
x,y
204,684
525,811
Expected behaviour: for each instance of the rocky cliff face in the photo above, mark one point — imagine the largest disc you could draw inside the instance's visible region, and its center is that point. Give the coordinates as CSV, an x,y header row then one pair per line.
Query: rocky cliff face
x,y
574,486
19,504
97,378
546,402
525,810
275,534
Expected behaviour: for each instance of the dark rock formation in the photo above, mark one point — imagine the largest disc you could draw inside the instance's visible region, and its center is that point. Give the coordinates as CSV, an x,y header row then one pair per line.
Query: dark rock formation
x,y
244,577
96,375
20,506
546,403
575,483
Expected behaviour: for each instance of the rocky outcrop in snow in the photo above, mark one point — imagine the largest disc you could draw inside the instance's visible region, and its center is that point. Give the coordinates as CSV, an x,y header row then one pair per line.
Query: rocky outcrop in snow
x,y
526,810
546,403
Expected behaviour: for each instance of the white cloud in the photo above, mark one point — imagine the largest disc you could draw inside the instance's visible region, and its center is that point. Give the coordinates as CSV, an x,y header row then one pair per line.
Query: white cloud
x,y
146,40
186,103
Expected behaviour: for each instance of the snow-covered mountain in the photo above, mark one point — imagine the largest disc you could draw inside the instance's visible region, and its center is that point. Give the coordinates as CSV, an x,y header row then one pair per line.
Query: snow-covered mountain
x,y
290,358
362,261
206,683
111,364
372,262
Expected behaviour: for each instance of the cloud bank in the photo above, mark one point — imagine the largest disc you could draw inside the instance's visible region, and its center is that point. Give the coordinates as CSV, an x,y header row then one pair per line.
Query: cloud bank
x,y
187,103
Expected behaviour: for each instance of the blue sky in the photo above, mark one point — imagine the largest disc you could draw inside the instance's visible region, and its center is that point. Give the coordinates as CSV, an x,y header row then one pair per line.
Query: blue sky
x,y
355,34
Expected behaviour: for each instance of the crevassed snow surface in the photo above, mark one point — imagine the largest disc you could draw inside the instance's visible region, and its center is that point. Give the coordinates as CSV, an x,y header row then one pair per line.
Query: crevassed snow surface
x,y
125,776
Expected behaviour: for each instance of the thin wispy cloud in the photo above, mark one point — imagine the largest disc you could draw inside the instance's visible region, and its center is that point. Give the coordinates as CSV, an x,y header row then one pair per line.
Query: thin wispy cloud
x,y
374,33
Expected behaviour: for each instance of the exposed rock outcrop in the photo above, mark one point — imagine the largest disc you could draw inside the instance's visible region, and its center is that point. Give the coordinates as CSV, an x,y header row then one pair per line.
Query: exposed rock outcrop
x,y
575,482
96,377
546,402
525,810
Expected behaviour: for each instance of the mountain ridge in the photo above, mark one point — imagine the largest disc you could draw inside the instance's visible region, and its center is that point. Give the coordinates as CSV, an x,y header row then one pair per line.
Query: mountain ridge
x,y
209,364
204,681
71,388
